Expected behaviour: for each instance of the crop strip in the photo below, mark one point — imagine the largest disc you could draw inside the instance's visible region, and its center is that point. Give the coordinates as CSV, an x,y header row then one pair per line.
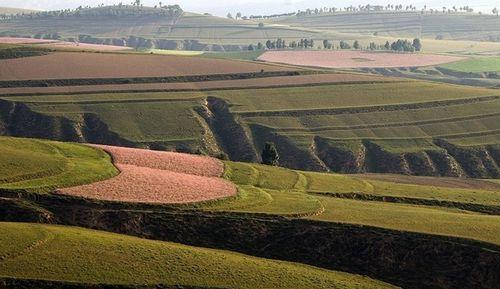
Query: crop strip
x,y
382,125
83,90
362,109
484,209
165,79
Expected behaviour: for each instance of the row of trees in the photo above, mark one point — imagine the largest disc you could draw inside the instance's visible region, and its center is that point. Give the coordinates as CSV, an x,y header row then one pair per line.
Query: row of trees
x,y
400,45
120,9
363,8
282,44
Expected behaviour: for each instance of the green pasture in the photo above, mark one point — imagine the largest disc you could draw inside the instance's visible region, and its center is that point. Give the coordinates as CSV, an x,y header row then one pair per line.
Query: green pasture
x,y
476,65
41,166
33,251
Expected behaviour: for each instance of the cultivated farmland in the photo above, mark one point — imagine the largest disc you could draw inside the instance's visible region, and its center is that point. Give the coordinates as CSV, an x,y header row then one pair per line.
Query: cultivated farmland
x,y
161,177
249,151
354,59
326,201
257,82
337,127
63,65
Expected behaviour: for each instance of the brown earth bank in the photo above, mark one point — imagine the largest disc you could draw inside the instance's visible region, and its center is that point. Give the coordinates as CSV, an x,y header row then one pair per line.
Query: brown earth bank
x,y
409,260
64,65
158,177
264,82
355,59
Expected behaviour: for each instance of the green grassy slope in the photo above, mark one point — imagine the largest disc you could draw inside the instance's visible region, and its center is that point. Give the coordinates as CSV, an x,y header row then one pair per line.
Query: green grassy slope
x,y
480,64
41,252
41,166
326,197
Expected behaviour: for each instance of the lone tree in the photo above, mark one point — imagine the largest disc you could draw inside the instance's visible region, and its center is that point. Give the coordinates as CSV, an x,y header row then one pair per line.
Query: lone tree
x,y
356,45
270,154
417,44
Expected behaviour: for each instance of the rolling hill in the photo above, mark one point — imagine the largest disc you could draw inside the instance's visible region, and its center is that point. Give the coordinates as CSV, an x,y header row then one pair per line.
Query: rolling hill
x,y
10,11
151,28
277,210
452,26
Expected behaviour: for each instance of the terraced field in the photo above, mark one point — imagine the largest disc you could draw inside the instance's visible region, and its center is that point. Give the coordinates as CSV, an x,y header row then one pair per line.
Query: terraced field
x,y
418,128
457,26
431,207
40,252
410,208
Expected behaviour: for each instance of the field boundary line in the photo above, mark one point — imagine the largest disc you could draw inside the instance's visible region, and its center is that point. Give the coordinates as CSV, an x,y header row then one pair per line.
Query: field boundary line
x,y
38,243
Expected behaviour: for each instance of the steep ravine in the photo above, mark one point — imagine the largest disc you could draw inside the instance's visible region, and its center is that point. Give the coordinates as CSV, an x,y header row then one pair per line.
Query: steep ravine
x,y
226,134
229,133
17,119
447,160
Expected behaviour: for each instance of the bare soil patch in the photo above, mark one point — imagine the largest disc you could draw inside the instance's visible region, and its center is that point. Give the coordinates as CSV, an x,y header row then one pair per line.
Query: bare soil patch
x,y
351,59
158,177
71,65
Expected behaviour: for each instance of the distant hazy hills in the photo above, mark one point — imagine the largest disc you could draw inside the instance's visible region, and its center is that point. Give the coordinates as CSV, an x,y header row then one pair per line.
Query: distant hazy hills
x,y
7,10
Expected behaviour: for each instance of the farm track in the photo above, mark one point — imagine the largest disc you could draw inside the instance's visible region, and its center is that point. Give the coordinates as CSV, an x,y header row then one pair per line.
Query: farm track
x,y
47,238
363,109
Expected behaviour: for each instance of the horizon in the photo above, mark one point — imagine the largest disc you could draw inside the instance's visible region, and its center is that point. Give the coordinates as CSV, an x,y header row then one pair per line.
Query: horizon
x,y
246,7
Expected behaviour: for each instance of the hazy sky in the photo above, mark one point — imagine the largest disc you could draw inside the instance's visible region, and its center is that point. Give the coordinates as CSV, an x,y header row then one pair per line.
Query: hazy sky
x,y
247,7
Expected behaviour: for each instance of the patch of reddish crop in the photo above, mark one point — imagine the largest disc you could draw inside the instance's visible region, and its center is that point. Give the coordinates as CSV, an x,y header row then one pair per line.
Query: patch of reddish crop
x,y
158,177
175,162
355,59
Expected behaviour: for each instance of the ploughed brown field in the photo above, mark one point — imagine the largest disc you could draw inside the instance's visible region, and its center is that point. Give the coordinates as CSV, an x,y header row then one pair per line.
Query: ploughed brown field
x,y
61,44
355,59
158,177
85,46
205,85
68,65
